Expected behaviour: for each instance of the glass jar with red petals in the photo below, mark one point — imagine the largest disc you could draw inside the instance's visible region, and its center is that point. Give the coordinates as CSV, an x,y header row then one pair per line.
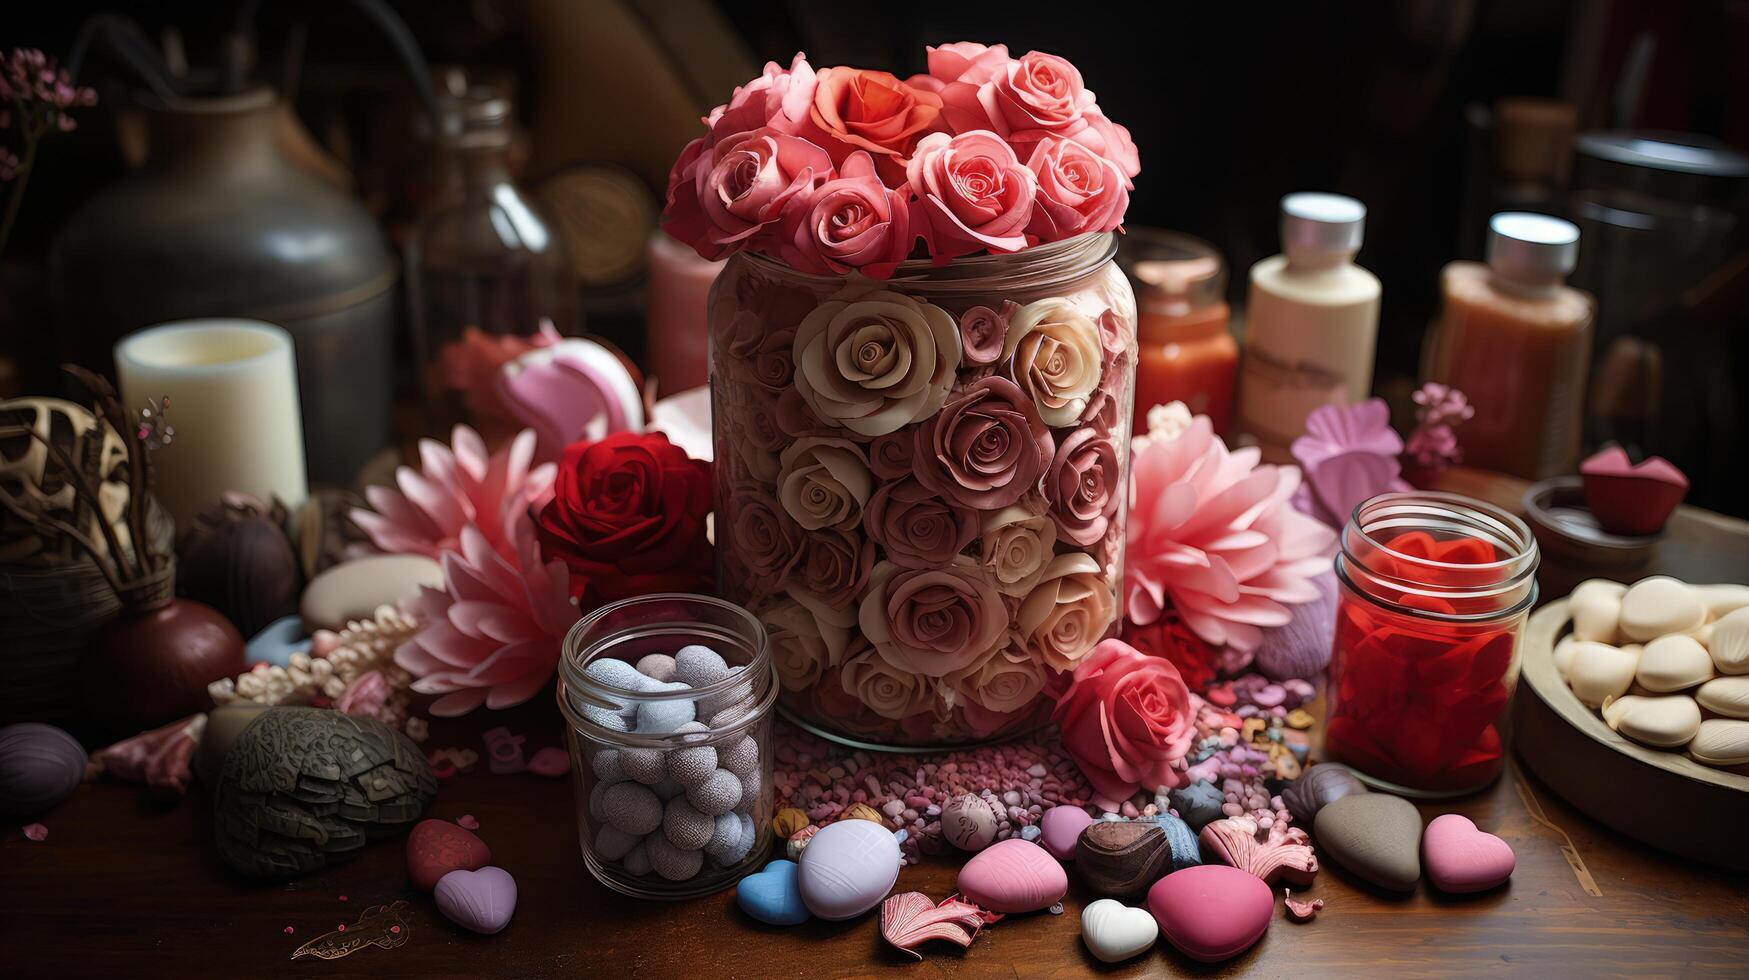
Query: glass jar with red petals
x,y
1435,589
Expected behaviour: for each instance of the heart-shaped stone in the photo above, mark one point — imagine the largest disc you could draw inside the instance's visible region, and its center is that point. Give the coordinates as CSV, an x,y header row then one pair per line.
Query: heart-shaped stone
x,y
1060,828
1114,932
1630,498
480,900
1212,912
1375,836
1461,859
1322,785
772,895
847,868
1013,876
437,847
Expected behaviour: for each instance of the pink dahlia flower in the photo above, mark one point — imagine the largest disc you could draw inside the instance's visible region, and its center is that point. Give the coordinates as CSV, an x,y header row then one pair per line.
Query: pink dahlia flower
x,y
1212,534
456,487
491,635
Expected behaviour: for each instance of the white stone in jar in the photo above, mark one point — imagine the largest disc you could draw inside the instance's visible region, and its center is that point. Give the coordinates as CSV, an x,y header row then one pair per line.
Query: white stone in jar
x,y
1658,605
1721,742
1673,663
1598,672
718,794
1662,722
685,827
613,844
632,808
671,862
647,766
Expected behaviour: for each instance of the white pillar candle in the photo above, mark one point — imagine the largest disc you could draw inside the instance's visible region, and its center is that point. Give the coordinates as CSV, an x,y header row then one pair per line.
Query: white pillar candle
x,y
233,389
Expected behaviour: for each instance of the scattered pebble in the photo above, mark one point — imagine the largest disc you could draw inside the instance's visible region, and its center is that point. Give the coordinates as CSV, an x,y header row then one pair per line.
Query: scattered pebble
x,y
36,831
467,822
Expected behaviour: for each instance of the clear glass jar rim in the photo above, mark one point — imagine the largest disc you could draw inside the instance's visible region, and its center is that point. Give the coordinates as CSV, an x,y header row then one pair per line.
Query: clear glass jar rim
x,y
1054,262
1516,574
1517,532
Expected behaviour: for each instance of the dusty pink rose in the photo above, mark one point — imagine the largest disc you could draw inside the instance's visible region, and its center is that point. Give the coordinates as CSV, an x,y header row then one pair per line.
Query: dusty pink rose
x,y
851,223
1005,682
932,622
857,110
873,360
1111,141
365,696
802,646
779,99
972,193
824,482
1126,721
887,689
766,539
889,456
962,61
830,570
917,526
1067,612
1037,95
982,332
759,352
1078,190
986,447
1016,545
1084,485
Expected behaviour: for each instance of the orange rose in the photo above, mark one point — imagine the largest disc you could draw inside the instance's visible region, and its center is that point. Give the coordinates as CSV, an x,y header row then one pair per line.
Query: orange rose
x,y
870,110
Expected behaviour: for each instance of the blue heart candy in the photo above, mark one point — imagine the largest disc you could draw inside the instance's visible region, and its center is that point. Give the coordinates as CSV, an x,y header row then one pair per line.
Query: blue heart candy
x,y
772,895
276,642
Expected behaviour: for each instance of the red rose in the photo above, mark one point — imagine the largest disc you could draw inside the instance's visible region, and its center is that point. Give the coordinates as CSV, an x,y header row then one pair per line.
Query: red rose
x,y
628,518
1126,721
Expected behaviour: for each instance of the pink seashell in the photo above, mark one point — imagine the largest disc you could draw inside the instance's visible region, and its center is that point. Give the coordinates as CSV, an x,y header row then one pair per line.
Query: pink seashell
x,y
1282,851
1014,876
480,900
911,919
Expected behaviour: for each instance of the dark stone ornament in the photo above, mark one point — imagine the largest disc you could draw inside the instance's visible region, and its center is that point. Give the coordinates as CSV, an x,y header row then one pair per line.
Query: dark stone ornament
x,y
302,788
1122,859
1322,785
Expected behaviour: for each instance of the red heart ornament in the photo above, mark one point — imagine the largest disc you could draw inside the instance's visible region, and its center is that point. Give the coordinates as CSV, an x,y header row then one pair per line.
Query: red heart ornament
x,y
437,847
1460,859
1629,498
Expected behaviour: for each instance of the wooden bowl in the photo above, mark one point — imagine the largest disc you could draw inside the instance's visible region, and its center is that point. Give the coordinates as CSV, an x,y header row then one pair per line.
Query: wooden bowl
x,y
1662,798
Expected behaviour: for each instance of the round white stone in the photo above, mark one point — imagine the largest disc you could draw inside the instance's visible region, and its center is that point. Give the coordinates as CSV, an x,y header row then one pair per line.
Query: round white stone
x,y
1598,672
605,762
632,808
657,666
671,862
740,756
685,827
613,844
718,794
1663,723
697,665
1729,644
725,835
1673,663
690,767
647,766
1658,605
637,860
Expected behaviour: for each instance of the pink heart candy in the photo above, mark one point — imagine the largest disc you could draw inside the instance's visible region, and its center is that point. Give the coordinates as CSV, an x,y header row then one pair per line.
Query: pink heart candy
x,y
480,900
1460,859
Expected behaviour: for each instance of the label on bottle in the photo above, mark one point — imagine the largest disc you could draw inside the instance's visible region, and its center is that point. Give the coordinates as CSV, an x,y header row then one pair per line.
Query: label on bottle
x,y
1275,396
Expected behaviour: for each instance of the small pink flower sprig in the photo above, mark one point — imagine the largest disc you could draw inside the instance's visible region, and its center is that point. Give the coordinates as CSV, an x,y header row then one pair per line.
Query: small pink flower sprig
x,y
35,96
1432,445
837,169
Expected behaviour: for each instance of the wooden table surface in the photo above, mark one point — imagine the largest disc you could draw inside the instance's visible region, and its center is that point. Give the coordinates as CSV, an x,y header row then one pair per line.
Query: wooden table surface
x,y
123,887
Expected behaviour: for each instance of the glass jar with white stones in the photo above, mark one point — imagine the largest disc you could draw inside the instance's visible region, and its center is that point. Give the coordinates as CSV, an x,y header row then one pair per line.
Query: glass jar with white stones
x,y
669,699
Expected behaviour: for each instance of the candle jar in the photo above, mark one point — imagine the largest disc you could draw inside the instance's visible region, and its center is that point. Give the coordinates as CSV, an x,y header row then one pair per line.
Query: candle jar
x,y
668,812
1184,352
1435,588
921,481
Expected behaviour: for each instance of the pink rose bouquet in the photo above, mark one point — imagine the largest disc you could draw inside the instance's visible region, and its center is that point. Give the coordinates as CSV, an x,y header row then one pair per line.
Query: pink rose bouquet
x,y
845,169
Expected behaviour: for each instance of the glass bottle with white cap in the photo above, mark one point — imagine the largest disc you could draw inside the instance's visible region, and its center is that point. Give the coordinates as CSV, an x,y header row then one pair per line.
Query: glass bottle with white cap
x,y
1517,340
1311,322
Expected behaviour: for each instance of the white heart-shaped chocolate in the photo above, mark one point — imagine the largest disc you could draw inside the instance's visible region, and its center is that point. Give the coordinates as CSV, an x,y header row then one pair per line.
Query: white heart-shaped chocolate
x,y
1114,932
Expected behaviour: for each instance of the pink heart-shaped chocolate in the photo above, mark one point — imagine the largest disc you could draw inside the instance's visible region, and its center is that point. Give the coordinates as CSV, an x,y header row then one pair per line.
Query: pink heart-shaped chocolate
x,y
480,900
1460,859
437,847
1629,498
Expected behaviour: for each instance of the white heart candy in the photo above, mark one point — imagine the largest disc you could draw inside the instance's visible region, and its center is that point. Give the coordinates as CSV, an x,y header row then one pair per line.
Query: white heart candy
x,y
1114,932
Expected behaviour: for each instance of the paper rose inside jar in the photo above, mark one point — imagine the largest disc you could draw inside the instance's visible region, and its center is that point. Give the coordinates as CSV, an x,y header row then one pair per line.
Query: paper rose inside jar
x,y
922,369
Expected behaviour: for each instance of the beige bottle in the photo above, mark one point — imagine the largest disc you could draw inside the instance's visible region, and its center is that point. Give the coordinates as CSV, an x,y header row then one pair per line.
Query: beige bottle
x,y
1311,323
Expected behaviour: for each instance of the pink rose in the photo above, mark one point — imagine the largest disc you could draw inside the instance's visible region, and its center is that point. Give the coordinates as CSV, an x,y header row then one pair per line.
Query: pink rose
x,y
1111,141
852,222
765,538
860,111
1005,682
918,528
932,622
758,352
972,193
962,61
1056,357
1078,191
982,332
778,98
1126,721
1038,95
986,447
889,455
1067,612
1084,484
744,183
830,569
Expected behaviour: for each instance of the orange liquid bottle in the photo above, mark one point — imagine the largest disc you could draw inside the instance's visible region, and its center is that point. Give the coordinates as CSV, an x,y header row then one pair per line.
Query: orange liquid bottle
x,y
1184,350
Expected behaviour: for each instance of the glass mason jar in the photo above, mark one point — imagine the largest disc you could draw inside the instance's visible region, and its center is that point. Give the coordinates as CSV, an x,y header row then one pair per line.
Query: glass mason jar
x,y
485,267
673,780
1435,589
921,482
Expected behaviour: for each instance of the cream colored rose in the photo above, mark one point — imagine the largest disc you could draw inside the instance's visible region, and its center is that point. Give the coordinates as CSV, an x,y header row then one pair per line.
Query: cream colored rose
x,y
1015,546
1007,681
1056,357
873,360
932,621
1066,615
802,646
824,482
889,691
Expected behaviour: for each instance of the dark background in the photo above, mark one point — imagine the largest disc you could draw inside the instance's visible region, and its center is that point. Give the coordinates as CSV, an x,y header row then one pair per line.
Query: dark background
x,y
1231,105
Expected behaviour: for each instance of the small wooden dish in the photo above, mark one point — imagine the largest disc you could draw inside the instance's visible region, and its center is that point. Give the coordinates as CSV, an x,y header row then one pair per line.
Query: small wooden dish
x,y
1556,512
1662,798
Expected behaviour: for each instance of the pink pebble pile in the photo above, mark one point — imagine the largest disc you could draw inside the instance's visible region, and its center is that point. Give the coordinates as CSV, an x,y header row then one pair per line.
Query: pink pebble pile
x,y
1025,777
